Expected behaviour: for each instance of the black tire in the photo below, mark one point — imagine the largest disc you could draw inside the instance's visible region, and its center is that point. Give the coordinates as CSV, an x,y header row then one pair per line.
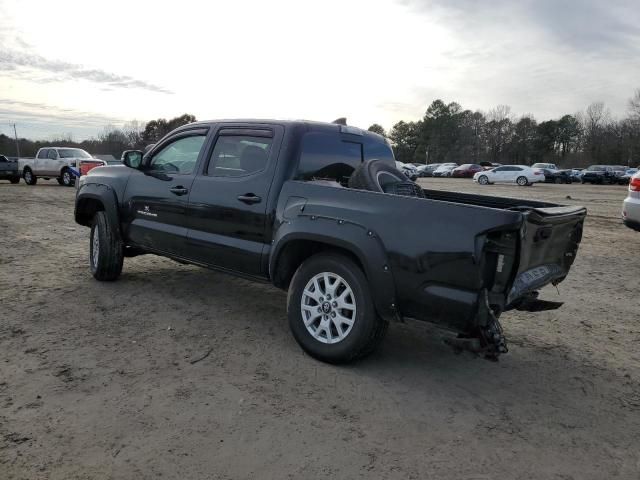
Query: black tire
x,y
14,180
59,180
67,178
106,265
483,180
372,175
29,177
368,328
522,181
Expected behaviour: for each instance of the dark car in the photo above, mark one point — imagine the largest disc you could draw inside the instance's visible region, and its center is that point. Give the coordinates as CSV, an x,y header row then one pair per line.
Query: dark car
x,y
9,169
467,170
599,174
303,206
557,176
427,170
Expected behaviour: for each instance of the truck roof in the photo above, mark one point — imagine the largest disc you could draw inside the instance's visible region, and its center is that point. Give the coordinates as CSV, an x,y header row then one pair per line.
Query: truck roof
x,y
309,124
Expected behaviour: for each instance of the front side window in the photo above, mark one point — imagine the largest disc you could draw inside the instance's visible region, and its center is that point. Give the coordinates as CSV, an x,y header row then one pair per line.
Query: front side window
x,y
179,156
239,155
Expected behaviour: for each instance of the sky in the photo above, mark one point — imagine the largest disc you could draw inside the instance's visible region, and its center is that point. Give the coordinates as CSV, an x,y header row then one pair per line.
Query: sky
x,y
74,67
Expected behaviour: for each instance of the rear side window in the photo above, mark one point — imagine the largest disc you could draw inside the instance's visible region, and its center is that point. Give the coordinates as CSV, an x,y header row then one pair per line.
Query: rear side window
x,y
327,155
239,155
43,153
53,155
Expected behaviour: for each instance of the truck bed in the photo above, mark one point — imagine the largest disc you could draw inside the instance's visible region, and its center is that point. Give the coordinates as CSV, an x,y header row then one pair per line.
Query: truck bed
x,y
449,249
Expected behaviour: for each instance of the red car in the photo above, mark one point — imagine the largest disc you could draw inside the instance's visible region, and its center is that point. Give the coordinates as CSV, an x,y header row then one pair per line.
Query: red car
x,y
468,170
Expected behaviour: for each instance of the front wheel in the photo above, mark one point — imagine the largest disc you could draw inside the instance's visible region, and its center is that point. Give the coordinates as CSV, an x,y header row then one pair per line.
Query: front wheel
x,y
106,252
330,309
483,180
67,178
522,181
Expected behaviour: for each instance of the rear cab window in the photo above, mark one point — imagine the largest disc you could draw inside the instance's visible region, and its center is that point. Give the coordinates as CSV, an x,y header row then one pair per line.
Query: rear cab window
x,y
335,155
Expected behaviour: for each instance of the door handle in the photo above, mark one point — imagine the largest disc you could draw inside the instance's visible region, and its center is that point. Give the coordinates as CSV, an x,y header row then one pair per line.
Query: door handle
x,y
179,190
249,198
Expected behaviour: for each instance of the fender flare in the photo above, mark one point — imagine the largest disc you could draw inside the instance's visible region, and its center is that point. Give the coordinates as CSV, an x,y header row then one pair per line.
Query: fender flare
x,y
363,243
101,193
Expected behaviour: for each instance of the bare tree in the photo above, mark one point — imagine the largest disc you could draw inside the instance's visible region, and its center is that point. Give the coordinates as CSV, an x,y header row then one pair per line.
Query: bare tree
x,y
634,105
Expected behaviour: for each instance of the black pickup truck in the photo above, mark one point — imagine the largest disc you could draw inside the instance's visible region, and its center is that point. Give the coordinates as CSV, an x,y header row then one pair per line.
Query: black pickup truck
x,y
9,169
305,206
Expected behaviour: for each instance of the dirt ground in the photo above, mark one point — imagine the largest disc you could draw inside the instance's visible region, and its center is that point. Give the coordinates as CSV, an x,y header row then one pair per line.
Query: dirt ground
x,y
101,380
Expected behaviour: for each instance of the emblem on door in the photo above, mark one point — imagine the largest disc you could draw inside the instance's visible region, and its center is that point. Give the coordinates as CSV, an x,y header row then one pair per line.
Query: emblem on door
x,y
146,212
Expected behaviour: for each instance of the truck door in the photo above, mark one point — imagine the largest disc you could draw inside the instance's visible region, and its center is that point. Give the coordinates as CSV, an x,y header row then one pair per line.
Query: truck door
x,y
51,163
40,162
229,200
156,196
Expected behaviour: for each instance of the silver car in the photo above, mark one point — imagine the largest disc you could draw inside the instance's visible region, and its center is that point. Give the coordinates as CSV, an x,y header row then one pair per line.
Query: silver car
x,y
631,205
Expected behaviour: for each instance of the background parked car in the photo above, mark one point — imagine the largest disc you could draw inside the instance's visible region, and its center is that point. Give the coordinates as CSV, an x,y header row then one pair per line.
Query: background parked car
x,y
599,174
9,170
544,166
631,205
520,174
444,170
427,170
630,172
576,174
408,169
467,170
53,162
557,176
619,171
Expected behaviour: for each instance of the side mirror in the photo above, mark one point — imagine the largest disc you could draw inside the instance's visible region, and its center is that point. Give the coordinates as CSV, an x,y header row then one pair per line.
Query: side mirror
x,y
132,158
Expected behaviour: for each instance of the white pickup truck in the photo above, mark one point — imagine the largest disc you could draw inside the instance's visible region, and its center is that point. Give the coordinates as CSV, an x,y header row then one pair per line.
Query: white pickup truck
x,y
53,162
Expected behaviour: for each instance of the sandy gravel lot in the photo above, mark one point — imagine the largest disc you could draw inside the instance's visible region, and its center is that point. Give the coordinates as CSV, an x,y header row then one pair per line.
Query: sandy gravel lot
x,y
97,380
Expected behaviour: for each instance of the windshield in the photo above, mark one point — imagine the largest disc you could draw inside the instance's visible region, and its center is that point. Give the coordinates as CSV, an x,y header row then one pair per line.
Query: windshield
x,y
596,168
72,153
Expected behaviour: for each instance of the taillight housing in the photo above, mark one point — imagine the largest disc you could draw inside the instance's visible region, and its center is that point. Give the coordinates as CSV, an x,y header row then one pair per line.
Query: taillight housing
x,y
634,184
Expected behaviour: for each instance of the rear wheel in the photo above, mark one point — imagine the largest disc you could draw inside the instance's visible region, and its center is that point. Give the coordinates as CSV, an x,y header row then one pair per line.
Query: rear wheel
x,y
330,309
522,181
59,180
483,180
106,252
29,177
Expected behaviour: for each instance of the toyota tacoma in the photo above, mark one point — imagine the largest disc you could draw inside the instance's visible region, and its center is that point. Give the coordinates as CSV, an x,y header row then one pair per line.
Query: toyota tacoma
x,y
321,211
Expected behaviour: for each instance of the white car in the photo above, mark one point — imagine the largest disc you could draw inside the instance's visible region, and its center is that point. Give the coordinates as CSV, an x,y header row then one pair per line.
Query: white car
x,y
631,205
444,170
519,174
545,166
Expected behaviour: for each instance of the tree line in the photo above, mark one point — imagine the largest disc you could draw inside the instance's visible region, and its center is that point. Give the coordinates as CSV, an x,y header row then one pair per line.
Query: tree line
x,y
111,141
446,133
449,133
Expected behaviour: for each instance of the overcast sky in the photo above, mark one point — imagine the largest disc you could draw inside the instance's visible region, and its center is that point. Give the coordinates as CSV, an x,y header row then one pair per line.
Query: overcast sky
x,y
76,66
